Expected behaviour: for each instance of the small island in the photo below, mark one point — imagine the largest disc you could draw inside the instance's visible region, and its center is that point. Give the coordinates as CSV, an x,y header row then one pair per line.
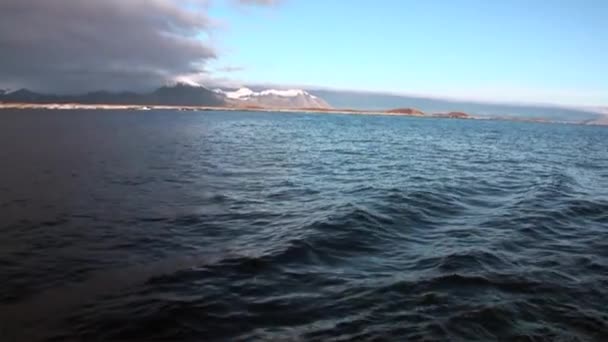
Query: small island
x,y
406,111
453,115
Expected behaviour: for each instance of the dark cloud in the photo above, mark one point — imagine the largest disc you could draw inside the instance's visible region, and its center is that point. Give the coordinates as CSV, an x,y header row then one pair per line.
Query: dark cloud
x,y
77,45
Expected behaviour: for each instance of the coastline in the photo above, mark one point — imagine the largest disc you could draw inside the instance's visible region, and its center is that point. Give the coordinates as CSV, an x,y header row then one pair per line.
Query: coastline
x,y
82,106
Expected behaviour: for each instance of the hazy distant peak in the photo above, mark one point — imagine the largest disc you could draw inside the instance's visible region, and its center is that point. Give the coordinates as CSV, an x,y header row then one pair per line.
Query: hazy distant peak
x,y
20,95
20,91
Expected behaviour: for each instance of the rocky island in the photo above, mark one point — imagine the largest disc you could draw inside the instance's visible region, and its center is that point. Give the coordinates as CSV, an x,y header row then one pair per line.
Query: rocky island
x,y
406,111
453,115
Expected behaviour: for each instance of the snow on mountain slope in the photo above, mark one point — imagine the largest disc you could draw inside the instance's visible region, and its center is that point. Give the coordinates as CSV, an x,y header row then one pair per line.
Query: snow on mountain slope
x,y
290,98
286,93
238,94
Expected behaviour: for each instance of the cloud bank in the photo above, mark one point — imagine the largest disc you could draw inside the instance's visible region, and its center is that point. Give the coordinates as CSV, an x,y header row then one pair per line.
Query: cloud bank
x,y
78,45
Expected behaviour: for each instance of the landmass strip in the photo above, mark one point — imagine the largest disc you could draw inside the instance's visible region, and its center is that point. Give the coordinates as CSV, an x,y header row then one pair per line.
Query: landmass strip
x,y
184,97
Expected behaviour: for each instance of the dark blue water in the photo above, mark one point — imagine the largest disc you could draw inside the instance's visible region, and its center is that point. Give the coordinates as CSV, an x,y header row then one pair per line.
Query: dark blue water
x,y
206,226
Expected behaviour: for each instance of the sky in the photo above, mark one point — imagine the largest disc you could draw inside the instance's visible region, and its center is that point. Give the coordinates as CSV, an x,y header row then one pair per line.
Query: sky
x,y
529,51
504,51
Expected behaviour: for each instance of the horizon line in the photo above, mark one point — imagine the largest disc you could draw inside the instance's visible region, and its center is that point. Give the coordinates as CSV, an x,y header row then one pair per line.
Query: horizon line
x,y
594,108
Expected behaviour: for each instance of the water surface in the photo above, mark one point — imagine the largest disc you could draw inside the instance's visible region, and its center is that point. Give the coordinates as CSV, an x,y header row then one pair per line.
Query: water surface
x,y
166,225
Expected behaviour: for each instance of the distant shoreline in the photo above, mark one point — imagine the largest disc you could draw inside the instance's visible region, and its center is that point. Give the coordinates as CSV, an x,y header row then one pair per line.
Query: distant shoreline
x,y
82,106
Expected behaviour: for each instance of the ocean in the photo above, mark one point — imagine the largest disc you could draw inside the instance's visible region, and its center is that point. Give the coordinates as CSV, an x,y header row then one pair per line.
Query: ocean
x,y
243,226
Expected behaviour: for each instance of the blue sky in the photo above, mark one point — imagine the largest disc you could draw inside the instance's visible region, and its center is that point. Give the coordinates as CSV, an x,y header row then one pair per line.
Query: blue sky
x,y
516,51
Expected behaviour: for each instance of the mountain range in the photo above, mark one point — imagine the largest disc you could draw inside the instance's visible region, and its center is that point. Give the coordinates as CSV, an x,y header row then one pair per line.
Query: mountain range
x,y
180,95
256,97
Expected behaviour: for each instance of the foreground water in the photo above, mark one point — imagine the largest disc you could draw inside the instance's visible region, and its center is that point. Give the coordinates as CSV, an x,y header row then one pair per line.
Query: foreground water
x,y
255,226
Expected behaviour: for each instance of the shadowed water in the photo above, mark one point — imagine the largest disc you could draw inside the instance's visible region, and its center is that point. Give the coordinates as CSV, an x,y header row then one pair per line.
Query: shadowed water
x,y
207,226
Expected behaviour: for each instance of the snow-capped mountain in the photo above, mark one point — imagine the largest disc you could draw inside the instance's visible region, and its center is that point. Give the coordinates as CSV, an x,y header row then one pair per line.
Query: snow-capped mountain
x,y
273,98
